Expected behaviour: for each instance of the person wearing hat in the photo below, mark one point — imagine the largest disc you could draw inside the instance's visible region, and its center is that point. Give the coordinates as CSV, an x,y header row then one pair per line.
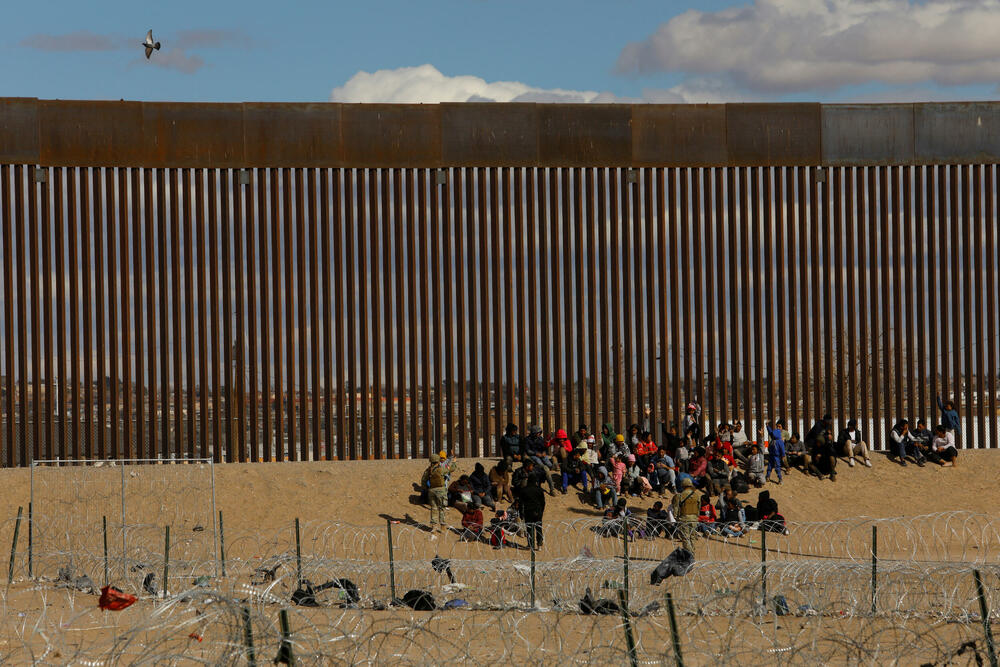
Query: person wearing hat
x,y
437,492
590,455
686,507
620,447
692,421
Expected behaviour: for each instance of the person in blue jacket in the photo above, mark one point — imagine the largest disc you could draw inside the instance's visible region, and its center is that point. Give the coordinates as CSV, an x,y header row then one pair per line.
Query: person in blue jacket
x,y
775,450
949,417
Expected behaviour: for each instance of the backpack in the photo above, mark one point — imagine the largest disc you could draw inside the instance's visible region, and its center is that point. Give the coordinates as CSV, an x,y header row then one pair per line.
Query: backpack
x,y
739,483
419,600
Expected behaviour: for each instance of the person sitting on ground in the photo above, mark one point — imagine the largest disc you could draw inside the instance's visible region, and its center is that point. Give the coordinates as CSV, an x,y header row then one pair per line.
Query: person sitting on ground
x,y
698,469
511,445
721,448
719,474
472,524
943,447
659,521
795,452
949,418
823,457
755,467
632,437
460,491
638,483
899,438
645,450
620,448
590,456
740,441
682,455
731,518
920,439
851,443
818,429
605,492
706,516
664,475
579,435
576,469
482,489
608,434
616,520
560,447
671,439
500,482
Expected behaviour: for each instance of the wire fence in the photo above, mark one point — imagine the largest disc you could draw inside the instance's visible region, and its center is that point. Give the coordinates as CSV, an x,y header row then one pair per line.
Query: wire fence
x,y
856,591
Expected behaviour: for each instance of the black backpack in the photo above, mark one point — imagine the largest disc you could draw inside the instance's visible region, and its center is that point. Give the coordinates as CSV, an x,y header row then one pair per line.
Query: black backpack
x,y
739,483
419,600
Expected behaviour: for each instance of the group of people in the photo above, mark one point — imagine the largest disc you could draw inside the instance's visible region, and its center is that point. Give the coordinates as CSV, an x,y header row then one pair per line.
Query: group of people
x,y
688,465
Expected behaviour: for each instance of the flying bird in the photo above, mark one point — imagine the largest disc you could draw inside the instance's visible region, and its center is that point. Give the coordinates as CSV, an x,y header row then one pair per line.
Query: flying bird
x,y
149,44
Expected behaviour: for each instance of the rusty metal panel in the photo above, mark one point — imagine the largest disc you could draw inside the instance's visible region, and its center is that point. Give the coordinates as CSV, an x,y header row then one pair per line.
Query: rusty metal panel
x,y
301,390
712,223
287,223
61,370
546,214
992,360
426,319
434,308
338,260
867,134
225,378
919,235
525,313
292,135
242,227
956,133
149,305
182,180
482,315
774,134
679,135
375,451
391,135
314,307
261,274
178,299
22,309
175,134
466,363
585,135
87,309
6,218
489,135
73,357
399,332
41,190
326,264
107,134
19,130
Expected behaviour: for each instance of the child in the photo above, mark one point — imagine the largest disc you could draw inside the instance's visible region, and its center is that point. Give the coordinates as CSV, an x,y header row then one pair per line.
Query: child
x,y
755,467
706,516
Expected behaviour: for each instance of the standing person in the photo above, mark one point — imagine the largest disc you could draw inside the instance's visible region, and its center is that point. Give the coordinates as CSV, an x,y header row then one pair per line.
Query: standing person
x,y
943,447
532,506
692,421
775,450
949,419
686,506
437,493
851,443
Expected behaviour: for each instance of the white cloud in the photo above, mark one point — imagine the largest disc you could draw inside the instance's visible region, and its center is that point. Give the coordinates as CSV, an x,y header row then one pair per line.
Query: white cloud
x,y
427,85
794,45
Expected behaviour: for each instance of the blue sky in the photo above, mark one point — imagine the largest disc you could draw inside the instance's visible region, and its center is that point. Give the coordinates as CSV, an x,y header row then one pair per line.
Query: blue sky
x,y
452,50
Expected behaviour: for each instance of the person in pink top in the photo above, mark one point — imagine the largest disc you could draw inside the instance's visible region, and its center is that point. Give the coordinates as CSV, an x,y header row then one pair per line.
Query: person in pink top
x,y
618,468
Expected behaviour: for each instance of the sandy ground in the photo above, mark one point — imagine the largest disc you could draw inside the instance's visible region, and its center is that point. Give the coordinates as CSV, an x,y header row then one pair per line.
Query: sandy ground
x,y
260,501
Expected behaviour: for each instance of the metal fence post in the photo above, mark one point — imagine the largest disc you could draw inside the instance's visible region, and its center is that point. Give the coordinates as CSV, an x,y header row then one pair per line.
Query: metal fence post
x,y
633,656
31,539
13,546
166,561
625,561
104,530
124,552
763,567
222,546
678,657
531,544
298,552
285,652
248,637
874,567
985,613
392,562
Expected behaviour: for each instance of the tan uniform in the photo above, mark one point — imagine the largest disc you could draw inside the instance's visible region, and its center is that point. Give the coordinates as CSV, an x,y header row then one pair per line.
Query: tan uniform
x,y
686,504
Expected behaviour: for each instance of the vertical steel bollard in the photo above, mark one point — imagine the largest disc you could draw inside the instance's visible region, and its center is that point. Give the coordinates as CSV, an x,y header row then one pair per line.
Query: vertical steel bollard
x,y
298,552
166,562
222,546
248,638
392,563
285,652
678,657
763,567
104,530
985,613
13,546
633,656
531,544
874,567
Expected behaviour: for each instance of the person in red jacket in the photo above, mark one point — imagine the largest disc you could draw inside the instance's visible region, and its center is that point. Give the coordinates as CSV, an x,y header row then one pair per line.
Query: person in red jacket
x,y
706,516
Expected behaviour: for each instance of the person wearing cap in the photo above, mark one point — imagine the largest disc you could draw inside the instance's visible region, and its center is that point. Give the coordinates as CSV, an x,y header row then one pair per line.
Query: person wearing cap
x,y
620,447
590,455
511,445
447,465
851,443
686,507
437,492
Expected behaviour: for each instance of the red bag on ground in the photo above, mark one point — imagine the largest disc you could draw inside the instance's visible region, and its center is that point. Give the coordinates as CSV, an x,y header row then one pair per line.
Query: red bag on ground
x,y
114,600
